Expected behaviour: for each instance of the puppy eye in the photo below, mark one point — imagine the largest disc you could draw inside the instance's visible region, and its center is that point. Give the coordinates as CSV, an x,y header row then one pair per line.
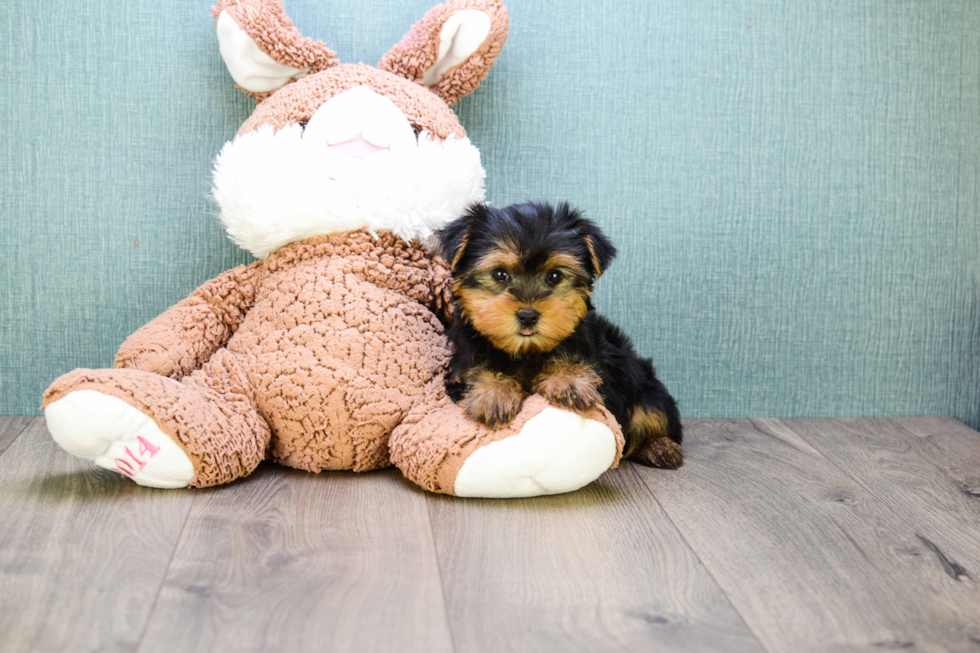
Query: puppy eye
x,y
554,277
303,124
500,276
417,130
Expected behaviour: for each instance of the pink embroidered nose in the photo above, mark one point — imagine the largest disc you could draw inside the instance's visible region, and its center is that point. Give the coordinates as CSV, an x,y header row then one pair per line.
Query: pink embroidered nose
x,y
357,148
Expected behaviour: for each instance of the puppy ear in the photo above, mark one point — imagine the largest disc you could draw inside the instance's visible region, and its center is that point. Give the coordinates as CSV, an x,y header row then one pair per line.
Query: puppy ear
x,y
455,236
601,251
452,48
453,240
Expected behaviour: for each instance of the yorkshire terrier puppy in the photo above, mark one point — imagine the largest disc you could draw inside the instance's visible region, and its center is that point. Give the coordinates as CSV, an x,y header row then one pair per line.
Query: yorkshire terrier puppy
x,y
524,323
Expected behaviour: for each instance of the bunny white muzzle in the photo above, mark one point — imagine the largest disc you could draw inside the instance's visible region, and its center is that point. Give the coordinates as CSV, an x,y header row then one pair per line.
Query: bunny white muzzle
x,y
357,164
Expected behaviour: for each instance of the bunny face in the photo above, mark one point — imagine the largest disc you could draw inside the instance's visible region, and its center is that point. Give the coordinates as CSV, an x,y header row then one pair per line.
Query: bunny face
x,y
341,147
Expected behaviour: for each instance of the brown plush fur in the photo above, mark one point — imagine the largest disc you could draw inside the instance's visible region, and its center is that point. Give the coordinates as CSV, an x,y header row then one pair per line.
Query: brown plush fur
x,y
410,61
298,101
309,357
275,35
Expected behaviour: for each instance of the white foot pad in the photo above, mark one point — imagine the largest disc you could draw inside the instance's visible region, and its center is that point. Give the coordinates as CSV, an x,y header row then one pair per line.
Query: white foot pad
x,y
118,437
556,451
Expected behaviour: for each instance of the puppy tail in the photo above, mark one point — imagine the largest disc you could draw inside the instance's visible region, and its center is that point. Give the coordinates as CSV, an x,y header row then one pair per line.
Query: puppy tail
x,y
654,434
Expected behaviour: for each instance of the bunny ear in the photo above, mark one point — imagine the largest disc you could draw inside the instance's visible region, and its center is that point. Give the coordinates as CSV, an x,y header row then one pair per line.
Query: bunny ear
x,y
452,48
262,48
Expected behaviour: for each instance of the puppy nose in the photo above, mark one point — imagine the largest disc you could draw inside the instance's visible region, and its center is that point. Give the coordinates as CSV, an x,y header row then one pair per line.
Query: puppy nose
x,y
528,317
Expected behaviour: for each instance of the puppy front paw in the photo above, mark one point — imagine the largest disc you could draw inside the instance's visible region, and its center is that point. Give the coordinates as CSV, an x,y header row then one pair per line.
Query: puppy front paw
x,y
572,386
492,399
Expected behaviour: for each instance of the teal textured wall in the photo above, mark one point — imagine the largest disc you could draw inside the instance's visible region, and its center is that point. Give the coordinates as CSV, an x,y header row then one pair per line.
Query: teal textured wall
x,y
794,185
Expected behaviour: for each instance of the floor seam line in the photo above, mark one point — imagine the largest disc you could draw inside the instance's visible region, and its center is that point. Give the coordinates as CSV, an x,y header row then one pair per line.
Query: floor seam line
x,y
442,586
166,573
704,564
20,432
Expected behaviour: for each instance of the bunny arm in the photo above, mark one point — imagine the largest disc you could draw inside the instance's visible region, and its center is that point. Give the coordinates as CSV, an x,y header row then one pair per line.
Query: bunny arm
x,y
184,337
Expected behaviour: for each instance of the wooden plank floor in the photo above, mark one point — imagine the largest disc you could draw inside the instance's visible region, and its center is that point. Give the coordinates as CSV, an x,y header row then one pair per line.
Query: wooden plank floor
x,y
777,535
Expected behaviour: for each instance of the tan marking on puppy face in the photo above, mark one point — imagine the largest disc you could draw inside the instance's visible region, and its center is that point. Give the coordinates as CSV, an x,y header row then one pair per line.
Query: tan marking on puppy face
x,y
560,260
493,315
569,385
560,315
491,398
492,307
500,258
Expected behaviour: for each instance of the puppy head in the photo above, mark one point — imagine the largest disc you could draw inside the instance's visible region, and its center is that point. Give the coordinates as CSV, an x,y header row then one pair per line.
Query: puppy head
x,y
524,273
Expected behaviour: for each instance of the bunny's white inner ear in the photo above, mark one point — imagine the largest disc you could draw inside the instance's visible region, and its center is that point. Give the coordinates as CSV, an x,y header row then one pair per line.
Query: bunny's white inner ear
x,y
251,68
462,34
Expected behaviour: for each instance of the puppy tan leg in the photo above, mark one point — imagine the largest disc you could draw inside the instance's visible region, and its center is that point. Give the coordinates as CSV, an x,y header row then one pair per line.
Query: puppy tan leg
x,y
648,440
491,398
569,385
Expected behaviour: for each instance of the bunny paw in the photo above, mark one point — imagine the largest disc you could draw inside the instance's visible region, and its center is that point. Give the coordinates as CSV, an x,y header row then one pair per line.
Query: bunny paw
x,y
556,451
118,437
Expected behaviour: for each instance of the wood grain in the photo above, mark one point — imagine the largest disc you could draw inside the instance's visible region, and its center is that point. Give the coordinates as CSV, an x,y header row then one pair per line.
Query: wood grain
x,y
947,443
886,458
290,561
10,428
795,535
601,569
82,551
810,558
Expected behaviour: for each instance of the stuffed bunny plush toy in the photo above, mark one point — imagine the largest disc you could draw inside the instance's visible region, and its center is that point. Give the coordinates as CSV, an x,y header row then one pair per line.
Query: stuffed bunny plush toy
x,y
328,352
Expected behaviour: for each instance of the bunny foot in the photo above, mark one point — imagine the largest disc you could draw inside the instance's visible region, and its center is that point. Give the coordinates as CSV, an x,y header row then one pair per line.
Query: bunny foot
x,y
556,451
543,450
118,437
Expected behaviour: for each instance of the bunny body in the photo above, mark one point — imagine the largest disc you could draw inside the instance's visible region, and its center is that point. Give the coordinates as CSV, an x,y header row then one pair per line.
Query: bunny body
x,y
328,352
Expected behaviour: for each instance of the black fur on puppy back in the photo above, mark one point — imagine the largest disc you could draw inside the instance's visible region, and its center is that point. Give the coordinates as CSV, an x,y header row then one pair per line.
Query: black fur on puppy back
x,y
539,228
